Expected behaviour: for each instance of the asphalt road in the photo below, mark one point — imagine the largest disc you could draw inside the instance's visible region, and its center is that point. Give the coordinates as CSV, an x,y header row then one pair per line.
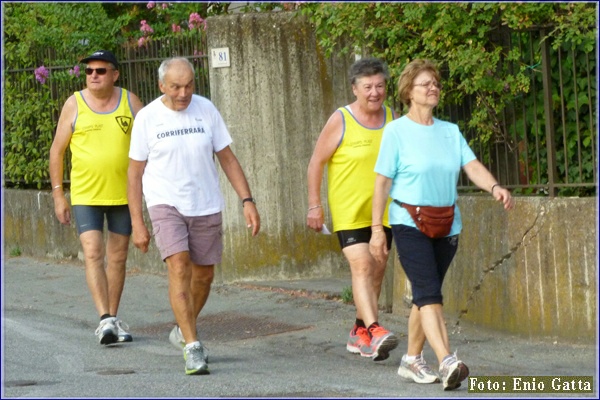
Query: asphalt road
x,y
264,340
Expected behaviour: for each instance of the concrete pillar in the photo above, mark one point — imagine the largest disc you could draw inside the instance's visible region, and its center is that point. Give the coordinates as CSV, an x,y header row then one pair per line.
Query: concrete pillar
x,y
275,97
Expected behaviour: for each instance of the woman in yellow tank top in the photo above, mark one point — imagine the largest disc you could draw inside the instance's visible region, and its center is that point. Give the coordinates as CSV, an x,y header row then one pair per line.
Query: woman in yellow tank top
x,y
349,145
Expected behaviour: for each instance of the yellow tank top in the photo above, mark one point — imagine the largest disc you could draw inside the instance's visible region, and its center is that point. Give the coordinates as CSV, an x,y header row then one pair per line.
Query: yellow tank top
x,y
100,154
351,174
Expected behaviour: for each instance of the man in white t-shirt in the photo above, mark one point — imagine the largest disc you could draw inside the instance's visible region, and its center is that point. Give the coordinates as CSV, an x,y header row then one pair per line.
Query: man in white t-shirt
x,y
173,142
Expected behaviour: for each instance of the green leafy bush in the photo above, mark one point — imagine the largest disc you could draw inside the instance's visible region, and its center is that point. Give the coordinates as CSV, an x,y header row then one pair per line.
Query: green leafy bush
x,y
28,133
347,296
473,44
477,47
51,37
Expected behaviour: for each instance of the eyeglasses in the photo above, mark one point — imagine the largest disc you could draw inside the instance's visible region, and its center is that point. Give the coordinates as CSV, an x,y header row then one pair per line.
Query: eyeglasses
x,y
99,71
428,84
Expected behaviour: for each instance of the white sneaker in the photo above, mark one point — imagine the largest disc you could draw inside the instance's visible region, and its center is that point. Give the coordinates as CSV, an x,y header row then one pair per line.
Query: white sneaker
x,y
107,331
195,360
176,338
453,371
418,370
123,335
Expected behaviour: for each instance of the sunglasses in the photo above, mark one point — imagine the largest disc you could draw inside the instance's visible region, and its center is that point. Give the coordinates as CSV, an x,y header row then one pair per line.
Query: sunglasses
x,y
99,71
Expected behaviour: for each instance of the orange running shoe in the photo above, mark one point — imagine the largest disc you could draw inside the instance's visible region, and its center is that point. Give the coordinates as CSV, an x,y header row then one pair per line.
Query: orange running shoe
x,y
382,342
359,342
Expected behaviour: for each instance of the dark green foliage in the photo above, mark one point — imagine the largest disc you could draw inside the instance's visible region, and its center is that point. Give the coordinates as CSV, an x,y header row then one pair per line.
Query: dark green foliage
x,y
480,47
477,47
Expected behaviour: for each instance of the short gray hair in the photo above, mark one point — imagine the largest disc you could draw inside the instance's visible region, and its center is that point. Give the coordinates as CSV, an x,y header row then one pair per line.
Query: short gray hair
x,y
166,64
367,67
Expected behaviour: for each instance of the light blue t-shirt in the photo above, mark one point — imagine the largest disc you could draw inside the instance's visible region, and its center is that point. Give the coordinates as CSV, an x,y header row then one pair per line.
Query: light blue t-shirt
x,y
424,163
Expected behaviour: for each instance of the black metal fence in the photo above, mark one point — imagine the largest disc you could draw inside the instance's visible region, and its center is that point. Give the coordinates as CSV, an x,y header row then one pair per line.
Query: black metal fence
x,y
549,138
548,141
140,65
138,73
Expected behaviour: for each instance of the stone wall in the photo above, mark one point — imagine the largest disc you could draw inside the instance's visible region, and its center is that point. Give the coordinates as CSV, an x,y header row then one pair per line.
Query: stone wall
x,y
530,271
275,98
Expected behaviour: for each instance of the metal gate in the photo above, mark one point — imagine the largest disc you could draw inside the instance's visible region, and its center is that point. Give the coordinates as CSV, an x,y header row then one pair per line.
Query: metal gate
x,y
138,74
139,66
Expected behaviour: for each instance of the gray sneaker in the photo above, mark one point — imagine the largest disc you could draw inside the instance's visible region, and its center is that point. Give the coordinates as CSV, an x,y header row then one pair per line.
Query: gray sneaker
x,y
453,371
123,335
418,370
195,363
107,331
177,340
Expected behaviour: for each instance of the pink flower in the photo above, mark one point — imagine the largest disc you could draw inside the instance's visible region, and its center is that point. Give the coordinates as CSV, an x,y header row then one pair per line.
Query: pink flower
x,y
145,28
74,71
195,21
41,74
150,4
164,5
142,41
176,28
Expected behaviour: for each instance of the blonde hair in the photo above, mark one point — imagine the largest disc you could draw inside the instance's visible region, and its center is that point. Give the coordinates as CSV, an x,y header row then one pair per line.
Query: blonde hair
x,y
408,75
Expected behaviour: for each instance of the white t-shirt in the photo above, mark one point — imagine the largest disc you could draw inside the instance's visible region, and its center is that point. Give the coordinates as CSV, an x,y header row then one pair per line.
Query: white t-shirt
x,y
179,147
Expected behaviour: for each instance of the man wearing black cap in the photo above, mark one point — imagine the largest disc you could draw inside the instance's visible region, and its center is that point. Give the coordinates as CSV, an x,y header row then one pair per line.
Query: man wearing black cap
x,y
95,124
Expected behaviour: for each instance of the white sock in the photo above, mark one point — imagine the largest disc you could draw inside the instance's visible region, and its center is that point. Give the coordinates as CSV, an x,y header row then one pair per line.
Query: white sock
x,y
411,359
190,345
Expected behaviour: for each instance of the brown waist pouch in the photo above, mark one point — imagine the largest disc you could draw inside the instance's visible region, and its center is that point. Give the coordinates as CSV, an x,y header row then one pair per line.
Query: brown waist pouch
x,y
435,222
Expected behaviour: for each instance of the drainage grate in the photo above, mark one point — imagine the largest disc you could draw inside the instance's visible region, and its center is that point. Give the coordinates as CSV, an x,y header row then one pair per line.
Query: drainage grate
x,y
227,327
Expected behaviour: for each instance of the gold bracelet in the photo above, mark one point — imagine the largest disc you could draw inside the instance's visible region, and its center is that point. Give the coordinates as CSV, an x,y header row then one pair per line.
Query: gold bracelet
x,y
314,207
56,187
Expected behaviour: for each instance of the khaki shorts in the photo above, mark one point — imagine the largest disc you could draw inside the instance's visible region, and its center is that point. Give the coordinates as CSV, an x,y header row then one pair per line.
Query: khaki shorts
x,y
174,233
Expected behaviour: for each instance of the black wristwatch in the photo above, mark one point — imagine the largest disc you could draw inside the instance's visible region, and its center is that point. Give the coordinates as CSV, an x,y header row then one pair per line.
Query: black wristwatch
x,y
248,199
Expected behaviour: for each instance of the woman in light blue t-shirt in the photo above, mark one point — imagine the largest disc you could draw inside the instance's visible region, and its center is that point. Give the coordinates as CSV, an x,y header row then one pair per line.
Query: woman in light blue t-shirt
x,y
419,163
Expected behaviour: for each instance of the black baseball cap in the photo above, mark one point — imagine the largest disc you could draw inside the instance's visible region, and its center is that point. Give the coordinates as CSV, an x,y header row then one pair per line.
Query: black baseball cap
x,y
102,55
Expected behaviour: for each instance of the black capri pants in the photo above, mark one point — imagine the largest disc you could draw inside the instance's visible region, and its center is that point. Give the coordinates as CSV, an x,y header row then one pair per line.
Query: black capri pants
x,y
425,262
